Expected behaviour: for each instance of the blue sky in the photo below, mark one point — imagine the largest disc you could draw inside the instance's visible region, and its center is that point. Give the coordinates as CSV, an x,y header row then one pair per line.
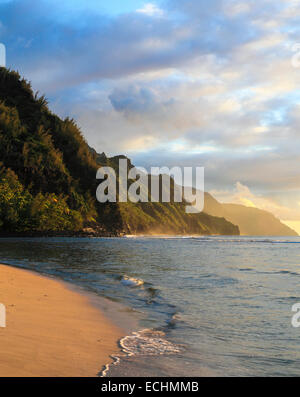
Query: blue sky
x,y
117,7
111,7
174,82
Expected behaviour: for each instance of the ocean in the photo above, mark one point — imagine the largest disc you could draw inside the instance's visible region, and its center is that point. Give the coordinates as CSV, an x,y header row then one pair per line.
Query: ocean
x,y
197,306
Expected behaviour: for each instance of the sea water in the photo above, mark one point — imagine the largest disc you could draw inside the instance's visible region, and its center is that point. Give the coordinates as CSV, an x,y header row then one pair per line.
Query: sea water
x,y
206,306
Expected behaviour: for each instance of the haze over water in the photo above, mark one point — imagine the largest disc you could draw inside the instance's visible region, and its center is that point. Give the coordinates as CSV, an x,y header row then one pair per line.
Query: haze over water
x,y
214,305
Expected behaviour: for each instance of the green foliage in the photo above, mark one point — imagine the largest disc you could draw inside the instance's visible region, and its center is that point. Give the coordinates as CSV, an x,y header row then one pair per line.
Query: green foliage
x,y
15,204
51,213
20,211
55,168
171,218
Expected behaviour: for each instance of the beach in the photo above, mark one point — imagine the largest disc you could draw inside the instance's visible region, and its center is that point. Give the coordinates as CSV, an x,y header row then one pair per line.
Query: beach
x,y
51,330
198,306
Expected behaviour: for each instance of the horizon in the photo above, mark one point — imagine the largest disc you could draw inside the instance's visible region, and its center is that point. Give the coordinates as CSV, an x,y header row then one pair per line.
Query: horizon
x,y
175,83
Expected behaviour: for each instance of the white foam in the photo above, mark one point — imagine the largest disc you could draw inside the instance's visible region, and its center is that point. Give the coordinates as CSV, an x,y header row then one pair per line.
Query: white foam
x,y
143,343
148,342
131,281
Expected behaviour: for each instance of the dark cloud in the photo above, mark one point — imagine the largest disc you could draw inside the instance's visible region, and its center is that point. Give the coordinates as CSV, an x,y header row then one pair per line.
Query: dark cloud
x,y
134,99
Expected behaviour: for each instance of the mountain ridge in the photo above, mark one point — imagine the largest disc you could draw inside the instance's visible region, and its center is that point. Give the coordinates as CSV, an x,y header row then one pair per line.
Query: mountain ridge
x,y
48,178
251,221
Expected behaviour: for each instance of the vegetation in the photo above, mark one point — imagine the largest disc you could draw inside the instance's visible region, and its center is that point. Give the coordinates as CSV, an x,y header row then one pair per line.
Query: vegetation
x,y
21,211
48,177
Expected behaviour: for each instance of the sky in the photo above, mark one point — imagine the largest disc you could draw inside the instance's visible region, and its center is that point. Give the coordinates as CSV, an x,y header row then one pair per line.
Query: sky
x,y
175,83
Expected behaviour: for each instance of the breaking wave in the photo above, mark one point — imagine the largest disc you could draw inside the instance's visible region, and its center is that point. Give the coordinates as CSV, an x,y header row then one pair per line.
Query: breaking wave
x,y
147,342
131,281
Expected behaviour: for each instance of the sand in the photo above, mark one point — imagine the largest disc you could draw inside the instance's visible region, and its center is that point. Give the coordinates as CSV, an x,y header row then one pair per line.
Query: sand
x,y
51,330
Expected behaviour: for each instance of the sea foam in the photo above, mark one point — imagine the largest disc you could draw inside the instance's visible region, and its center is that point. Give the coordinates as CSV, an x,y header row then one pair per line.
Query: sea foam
x,y
147,342
131,281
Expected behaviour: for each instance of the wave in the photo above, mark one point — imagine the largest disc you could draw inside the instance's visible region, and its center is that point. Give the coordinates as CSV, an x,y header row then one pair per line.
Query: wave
x,y
219,239
280,272
244,240
147,342
131,281
287,272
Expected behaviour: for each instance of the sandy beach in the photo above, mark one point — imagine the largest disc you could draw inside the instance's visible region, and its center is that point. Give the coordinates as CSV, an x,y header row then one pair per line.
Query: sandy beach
x,y
51,330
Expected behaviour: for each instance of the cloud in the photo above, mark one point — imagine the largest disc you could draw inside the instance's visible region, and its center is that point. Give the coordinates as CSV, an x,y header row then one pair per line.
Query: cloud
x,y
151,10
91,46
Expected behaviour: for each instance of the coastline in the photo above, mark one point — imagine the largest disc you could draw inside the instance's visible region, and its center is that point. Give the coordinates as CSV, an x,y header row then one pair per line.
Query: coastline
x,y
52,330
6,235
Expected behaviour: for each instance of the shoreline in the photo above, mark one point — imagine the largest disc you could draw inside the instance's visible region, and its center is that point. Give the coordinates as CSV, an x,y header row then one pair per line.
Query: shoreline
x,y
52,330
93,234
